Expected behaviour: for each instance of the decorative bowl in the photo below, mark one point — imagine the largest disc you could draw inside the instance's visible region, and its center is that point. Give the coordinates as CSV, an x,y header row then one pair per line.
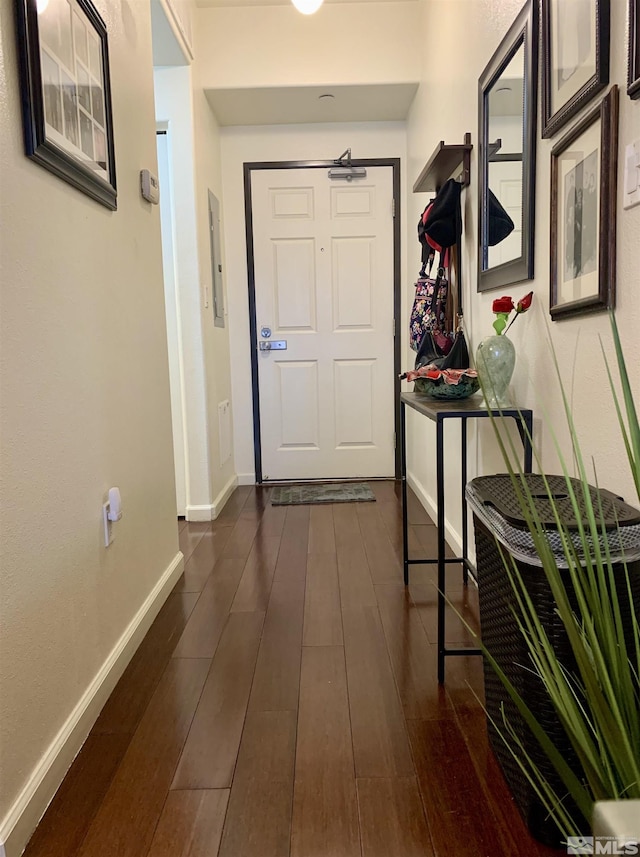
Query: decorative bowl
x,y
439,389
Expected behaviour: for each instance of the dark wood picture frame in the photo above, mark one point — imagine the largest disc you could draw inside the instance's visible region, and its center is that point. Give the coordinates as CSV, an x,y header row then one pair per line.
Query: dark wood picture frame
x,y
523,33
589,231
633,76
66,94
555,117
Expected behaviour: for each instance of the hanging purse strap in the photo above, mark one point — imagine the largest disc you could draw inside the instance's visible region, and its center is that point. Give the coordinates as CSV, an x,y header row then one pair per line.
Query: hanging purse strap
x,y
459,263
437,286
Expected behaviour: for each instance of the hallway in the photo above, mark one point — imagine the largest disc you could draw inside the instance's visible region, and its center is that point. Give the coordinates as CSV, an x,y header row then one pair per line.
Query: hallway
x,y
285,702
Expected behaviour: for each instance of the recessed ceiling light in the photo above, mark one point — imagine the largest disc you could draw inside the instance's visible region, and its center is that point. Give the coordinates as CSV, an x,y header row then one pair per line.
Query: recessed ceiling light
x,y
326,97
307,7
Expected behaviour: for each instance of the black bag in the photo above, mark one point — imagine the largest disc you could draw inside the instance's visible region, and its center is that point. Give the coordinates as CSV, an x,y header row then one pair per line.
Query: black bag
x,y
429,351
500,224
458,357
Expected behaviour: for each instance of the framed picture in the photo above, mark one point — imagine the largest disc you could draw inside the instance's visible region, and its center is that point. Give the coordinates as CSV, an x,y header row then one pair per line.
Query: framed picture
x,y
575,58
583,213
633,87
66,99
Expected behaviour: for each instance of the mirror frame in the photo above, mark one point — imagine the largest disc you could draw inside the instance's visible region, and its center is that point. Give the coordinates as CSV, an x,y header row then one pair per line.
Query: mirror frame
x,y
523,31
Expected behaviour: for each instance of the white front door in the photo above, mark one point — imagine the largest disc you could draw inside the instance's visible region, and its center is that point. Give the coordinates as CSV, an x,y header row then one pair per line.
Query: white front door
x,y
324,285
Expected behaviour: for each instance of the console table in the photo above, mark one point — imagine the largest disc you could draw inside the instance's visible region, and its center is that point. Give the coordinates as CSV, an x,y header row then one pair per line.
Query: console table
x,y
438,411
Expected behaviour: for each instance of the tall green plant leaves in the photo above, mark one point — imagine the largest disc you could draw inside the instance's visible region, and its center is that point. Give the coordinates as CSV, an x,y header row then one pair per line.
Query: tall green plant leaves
x,y
599,703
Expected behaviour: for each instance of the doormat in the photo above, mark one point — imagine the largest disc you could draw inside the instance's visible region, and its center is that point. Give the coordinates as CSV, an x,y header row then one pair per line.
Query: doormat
x,y
303,495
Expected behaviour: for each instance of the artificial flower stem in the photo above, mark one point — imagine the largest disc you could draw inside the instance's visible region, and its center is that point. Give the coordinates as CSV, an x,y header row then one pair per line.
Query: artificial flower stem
x,y
501,322
510,323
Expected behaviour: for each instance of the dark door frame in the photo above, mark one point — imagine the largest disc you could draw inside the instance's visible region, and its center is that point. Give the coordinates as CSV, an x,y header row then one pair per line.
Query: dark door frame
x,y
248,168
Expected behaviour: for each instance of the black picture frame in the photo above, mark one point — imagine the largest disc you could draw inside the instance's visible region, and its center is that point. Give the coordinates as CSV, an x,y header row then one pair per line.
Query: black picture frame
x,y
633,76
66,94
523,34
583,214
583,40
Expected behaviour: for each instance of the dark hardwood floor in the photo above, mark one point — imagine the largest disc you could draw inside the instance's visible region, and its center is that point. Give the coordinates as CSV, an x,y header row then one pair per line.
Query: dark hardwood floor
x,y
285,704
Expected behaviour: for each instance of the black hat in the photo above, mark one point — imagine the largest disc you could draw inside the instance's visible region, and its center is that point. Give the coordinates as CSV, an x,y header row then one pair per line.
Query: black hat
x,y
500,224
444,223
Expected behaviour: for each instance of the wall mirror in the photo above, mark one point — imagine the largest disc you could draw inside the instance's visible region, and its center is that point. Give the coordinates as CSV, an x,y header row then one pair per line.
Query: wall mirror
x,y
506,170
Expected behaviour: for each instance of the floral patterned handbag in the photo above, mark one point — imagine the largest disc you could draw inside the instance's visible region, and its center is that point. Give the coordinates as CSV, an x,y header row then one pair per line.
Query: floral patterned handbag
x,y
429,308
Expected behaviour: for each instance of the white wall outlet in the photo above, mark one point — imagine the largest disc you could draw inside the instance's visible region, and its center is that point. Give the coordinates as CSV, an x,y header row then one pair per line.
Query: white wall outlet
x,y
205,295
108,526
632,175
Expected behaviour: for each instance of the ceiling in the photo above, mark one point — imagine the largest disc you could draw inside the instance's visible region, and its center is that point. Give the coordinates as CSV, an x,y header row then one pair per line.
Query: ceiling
x,y
302,104
166,50
208,3
286,105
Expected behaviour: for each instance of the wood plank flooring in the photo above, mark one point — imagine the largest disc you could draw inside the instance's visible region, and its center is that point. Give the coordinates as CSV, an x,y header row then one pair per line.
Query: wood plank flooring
x,y
284,703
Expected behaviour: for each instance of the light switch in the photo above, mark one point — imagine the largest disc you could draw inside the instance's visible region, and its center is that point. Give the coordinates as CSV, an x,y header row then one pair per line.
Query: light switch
x,y
632,174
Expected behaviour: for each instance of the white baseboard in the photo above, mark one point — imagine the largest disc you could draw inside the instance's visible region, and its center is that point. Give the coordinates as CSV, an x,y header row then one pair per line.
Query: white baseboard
x,y
210,511
223,496
452,536
199,513
246,478
23,817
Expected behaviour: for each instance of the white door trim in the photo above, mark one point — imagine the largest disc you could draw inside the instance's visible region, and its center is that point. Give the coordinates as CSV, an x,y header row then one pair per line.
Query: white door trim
x,y
249,167
173,318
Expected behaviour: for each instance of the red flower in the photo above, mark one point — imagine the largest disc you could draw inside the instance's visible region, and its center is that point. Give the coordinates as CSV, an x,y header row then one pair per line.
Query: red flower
x,y
525,303
504,304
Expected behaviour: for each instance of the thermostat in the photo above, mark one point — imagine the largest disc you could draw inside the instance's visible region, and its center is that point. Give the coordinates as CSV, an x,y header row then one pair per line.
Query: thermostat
x,y
149,187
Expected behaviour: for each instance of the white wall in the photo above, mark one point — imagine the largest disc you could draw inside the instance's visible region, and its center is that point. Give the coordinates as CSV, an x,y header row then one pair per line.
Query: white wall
x,y
445,107
208,163
279,143
343,43
173,97
85,405
195,158
172,315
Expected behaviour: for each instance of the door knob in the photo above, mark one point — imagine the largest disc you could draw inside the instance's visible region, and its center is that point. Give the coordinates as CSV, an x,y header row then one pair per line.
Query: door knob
x,y
276,345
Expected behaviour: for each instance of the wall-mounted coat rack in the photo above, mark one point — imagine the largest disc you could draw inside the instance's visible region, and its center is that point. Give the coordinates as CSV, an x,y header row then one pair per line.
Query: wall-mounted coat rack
x,y
446,161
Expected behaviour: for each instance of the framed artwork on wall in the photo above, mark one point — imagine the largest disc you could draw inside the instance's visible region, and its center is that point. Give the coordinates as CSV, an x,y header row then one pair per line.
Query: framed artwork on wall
x,y
575,58
633,86
583,213
66,96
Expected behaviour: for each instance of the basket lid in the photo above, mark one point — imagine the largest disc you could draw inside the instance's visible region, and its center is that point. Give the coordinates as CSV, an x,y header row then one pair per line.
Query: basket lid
x,y
498,491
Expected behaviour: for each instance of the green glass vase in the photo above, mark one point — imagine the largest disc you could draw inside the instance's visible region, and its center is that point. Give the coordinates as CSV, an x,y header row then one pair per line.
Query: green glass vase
x,y
495,362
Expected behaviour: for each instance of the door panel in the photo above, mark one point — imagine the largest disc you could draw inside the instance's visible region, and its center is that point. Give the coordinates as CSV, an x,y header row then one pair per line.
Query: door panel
x,y
288,202
324,283
353,282
294,279
354,395
351,201
297,402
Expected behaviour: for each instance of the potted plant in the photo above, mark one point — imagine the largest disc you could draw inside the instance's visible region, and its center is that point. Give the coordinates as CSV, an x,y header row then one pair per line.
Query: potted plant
x,y
596,698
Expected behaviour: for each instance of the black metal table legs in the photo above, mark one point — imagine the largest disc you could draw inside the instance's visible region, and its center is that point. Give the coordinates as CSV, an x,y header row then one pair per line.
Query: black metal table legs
x,y
403,474
524,422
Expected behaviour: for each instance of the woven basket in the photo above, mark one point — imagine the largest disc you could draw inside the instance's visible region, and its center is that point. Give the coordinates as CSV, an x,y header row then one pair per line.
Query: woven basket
x,y
502,637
